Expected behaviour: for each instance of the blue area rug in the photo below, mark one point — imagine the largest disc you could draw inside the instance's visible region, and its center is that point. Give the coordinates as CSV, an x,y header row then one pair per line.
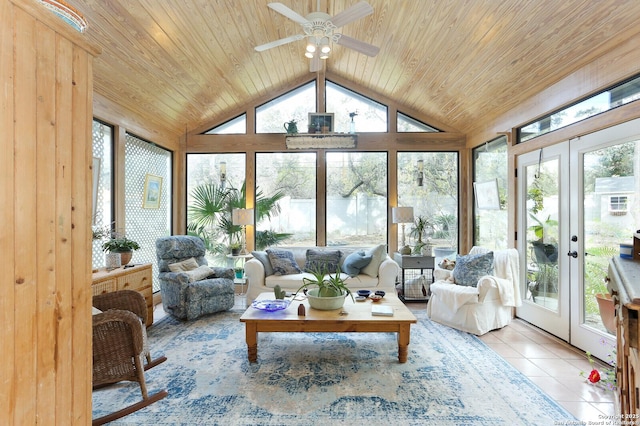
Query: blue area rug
x,y
451,378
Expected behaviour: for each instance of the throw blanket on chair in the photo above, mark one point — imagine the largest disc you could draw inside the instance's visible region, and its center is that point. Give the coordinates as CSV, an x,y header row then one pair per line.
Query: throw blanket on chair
x,y
506,270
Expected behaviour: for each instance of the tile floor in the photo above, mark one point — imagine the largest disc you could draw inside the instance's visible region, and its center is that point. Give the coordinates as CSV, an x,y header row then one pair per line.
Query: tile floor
x,y
549,362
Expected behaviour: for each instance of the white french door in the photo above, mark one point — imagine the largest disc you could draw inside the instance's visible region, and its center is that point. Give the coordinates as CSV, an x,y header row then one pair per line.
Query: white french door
x,y
543,233
580,197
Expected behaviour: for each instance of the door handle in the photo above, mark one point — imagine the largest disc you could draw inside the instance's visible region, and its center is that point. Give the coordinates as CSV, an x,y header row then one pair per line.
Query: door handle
x,y
573,254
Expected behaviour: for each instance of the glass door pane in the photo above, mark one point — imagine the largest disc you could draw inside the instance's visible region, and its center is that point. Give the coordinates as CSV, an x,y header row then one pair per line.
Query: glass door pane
x,y
608,217
542,234
544,219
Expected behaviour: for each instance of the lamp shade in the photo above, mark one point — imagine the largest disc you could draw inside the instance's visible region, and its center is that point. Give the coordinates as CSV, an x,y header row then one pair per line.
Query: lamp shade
x,y
402,214
242,216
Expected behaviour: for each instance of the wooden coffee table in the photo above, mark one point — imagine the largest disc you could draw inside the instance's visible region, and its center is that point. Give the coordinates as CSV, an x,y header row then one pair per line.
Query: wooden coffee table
x,y
353,317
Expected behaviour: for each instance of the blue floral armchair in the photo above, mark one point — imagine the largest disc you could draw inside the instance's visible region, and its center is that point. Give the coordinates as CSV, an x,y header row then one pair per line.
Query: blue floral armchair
x,y
183,296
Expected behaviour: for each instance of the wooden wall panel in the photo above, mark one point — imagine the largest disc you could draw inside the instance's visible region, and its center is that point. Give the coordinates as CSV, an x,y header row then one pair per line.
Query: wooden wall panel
x,y
45,227
45,244
64,369
24,246
7,217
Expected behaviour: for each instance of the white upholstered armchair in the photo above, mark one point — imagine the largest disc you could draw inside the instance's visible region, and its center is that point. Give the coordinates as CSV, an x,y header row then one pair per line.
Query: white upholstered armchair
x,y
481,308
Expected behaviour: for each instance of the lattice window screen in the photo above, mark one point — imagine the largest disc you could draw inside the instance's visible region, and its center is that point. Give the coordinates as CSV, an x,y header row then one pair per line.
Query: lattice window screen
x,y
101,145
146,225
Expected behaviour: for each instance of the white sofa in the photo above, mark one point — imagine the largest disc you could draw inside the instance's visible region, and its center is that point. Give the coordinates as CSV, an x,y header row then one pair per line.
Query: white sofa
x,y
483,308
259,283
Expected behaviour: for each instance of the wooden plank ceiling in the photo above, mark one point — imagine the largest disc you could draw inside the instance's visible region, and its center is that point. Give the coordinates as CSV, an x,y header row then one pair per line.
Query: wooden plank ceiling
x,y
190,64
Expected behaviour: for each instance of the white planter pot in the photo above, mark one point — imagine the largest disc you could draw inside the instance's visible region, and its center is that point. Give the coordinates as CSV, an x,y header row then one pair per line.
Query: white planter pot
x,y
325,303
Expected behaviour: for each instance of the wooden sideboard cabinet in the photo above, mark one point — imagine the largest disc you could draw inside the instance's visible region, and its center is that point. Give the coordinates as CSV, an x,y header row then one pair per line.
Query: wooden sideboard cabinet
x,y
623,282
138,278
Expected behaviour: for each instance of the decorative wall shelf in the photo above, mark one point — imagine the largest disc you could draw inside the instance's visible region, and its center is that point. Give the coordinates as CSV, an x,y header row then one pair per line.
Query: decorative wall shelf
x,y
321,141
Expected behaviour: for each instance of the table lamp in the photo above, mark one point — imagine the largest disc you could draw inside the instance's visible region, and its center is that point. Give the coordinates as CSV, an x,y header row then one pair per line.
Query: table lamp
x,y
242,217
402,215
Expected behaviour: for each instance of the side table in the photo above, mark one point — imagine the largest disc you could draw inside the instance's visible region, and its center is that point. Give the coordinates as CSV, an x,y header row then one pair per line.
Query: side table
x,y
241,281
420,262
136,277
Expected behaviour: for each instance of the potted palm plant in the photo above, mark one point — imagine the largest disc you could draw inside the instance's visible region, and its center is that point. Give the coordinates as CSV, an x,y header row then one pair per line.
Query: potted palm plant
x,y
328,290
420,226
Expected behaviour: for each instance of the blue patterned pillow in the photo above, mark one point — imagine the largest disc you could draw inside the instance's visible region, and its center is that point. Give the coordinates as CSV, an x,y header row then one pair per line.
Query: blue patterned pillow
x,y
322,260
283,262
469,269
355,262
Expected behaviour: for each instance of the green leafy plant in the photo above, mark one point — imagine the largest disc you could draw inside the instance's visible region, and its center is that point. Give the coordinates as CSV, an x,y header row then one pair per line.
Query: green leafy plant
x,y
120,245
210,216
329,285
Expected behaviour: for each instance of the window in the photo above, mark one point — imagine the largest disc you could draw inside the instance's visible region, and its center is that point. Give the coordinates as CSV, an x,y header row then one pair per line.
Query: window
x,y
490,224
145,225
428,182
371,115
286,186
215,185
235,126
295,105
618,205
102,137
613,97
410,124
356,198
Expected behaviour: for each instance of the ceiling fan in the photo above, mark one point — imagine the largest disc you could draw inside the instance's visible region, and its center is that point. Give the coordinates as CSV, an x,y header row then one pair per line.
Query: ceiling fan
x,y
321,31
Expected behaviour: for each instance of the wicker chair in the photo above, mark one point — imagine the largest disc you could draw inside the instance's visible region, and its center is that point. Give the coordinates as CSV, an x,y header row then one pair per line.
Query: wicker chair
x,y
120,347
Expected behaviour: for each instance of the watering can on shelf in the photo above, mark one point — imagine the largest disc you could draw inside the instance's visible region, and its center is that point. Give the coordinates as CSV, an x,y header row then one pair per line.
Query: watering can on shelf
x,y
291,127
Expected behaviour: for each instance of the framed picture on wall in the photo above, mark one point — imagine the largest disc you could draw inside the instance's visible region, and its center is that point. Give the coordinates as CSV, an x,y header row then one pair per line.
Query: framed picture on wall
x,y
321,122
152,191
487,195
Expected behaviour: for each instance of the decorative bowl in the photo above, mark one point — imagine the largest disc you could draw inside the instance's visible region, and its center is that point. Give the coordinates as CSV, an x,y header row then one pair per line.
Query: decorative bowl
x,y
380,293
271,305
324,303
360,298
364,293
375,297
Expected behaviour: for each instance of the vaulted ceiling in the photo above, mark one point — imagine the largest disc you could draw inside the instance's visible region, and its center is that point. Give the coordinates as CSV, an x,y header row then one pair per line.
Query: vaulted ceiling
x,y
189,64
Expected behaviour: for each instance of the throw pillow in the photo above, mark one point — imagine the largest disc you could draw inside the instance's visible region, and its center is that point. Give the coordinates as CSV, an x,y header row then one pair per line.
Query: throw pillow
x,y
283,262
199,273
355,262
377,253
186,265
322,260
263,257
470,268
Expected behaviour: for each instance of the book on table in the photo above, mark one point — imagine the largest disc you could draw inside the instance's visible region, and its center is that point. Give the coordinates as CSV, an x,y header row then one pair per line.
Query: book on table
x,y
382,310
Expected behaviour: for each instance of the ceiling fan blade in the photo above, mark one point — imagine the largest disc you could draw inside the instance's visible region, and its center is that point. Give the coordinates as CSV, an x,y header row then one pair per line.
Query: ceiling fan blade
x,y
360,46
355,12
284,10
280,42
315,64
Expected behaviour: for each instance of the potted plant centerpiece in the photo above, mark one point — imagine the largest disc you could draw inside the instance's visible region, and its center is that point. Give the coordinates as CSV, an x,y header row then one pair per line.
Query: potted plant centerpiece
x,y
122,245
329,292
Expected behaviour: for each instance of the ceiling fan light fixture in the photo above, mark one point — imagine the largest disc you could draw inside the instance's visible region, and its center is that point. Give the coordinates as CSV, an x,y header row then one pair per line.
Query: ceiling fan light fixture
x,y
324,55
308,55
311,48
324,46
